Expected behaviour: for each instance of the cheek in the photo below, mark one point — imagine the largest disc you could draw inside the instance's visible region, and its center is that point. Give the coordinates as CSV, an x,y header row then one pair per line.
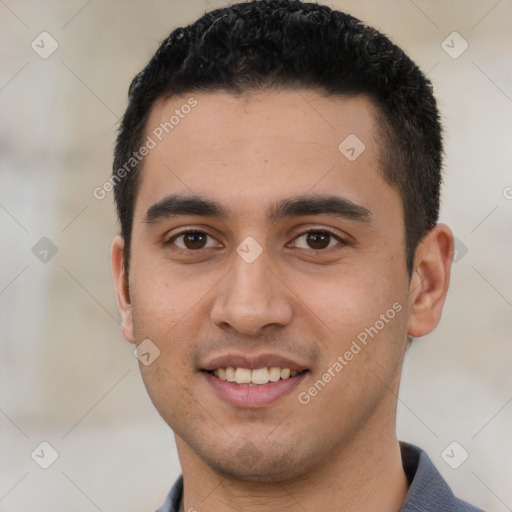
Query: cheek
x,y
163,300
342,305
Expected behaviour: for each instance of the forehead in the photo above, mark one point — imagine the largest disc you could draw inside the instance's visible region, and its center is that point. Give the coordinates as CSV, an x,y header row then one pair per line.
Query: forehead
x,y
255,149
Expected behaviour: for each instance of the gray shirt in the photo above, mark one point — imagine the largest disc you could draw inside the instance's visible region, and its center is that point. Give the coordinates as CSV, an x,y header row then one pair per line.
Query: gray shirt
x,y
428,492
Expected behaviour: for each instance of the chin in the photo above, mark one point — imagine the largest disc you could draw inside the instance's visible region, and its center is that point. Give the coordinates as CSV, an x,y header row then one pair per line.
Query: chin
x,y
258,462
262,471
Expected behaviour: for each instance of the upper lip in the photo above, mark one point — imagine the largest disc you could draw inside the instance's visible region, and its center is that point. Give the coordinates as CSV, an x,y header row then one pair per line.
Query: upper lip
x,y
252,362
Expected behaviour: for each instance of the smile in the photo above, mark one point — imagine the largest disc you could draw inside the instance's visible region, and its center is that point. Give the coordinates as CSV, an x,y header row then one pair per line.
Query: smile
x,y
253,388
257,377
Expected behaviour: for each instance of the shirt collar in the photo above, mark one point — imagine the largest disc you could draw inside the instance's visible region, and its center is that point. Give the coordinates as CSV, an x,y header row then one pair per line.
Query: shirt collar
x,y
427,489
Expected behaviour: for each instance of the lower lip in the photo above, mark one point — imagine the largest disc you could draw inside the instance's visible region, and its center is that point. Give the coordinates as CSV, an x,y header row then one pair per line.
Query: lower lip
x,y
243,395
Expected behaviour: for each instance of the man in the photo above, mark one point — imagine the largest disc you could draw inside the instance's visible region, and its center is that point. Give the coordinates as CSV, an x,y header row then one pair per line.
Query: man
x,y
277,177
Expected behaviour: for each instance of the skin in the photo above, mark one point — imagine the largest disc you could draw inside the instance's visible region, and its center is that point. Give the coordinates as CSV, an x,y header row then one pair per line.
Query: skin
x,y
339,452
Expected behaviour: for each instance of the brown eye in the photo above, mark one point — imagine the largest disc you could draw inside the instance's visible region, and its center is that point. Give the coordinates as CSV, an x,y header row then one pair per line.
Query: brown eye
x,y
317,240
192,240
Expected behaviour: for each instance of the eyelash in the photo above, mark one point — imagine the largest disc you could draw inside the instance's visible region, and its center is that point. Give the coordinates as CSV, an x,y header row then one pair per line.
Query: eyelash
x,y
340,240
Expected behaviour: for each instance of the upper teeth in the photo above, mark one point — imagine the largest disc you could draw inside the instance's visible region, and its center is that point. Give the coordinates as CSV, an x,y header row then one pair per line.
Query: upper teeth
x,y
258,376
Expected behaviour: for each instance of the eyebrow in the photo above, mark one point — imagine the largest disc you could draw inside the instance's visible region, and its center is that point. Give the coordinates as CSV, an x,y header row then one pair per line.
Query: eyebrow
x,y
176,205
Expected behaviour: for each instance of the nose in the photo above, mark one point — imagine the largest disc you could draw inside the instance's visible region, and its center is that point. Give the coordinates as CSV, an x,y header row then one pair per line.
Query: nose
x,y
252,298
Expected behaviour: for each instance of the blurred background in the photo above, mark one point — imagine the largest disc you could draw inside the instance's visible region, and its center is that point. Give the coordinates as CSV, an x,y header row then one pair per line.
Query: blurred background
x,y
67,376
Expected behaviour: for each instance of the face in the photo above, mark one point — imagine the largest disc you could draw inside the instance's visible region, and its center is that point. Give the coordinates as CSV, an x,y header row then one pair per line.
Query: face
x,y
263,251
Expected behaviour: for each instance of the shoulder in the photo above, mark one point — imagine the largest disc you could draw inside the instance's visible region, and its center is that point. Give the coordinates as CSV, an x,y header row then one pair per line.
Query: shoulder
x,y
173,500
427,489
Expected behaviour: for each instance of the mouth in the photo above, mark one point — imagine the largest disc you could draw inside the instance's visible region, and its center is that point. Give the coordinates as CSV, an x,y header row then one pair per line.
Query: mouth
x,y
249,382
252,378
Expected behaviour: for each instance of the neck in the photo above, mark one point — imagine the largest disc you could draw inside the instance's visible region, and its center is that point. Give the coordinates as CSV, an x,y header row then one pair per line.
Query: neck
x,y
363,476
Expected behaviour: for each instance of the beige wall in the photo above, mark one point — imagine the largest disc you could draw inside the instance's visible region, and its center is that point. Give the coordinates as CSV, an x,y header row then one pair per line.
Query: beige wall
x,y
68,377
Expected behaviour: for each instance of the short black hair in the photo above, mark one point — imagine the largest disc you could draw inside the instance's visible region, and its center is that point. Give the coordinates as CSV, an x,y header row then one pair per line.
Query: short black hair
x,y
287,44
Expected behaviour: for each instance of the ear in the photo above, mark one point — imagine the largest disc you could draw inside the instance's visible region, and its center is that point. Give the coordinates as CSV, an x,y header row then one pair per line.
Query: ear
x,y
122,292
430,280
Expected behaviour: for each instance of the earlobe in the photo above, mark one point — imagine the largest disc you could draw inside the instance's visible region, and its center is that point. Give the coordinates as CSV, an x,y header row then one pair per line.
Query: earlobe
x,y
122,292
430,280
